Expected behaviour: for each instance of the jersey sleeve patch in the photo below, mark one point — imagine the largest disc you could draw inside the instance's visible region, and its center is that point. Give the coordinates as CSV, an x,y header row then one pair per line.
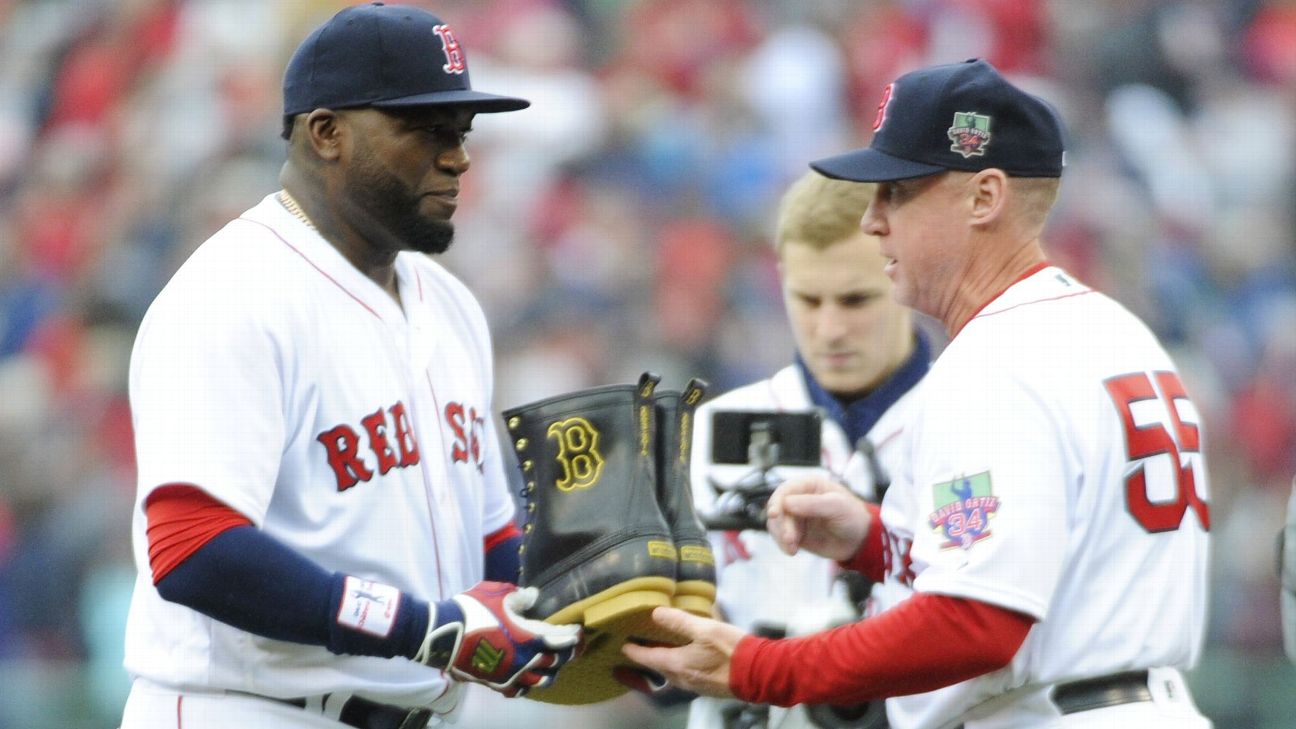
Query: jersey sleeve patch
x,y
964,508
368,606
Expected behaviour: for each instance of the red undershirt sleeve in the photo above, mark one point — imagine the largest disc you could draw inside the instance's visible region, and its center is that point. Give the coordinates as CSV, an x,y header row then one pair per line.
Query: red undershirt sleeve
x,y
926,642
869,560
501,535
181,519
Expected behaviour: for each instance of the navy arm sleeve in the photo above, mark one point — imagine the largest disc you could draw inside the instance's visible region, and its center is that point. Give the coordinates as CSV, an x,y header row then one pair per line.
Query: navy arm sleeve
x,y
249,580
503,563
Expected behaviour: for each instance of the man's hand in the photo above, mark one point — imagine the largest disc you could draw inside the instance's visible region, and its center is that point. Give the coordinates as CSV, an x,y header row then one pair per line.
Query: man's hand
x,y
481,636
820,515
702,664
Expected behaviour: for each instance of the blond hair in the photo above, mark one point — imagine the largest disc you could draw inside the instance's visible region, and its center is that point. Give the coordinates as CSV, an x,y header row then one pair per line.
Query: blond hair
x,y
1036,196
818,211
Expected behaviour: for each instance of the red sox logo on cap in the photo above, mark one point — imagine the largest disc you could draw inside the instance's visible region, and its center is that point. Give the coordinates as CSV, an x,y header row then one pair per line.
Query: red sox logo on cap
x,y
882,107
956,116
450,46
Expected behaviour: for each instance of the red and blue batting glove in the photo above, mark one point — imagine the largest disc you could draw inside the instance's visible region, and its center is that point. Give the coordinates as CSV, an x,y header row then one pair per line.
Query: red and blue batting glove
x,y
480,636
652,685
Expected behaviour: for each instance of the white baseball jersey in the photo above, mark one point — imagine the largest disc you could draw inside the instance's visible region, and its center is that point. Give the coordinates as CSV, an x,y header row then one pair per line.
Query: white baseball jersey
x,y
757,584
1055,469
275,376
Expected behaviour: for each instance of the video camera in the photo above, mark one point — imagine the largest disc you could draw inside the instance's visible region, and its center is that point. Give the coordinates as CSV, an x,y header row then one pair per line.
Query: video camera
x,y
760,439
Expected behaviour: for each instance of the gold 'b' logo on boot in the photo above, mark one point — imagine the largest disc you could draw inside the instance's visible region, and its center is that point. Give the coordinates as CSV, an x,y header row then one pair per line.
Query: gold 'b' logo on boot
x,y
578,453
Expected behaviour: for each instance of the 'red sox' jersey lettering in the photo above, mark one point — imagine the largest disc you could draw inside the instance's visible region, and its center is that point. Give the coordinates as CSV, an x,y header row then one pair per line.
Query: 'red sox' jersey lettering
x,y
897,562
389,439
467,426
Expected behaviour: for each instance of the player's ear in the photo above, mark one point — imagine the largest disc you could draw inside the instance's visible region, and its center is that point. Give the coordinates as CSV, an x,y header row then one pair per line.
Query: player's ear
x,y
324,132
989,194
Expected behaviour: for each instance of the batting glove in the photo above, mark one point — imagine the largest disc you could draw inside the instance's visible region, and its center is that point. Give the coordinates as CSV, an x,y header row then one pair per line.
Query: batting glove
x,y
481,636
652,685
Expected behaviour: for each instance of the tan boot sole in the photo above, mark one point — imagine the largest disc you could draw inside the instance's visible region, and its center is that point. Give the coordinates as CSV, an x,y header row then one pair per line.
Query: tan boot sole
x,y
609,619
606,610
696,597
588,679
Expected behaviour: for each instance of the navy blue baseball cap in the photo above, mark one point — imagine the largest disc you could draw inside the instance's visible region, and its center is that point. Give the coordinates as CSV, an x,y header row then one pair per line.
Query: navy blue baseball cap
x,y
384,56
961,116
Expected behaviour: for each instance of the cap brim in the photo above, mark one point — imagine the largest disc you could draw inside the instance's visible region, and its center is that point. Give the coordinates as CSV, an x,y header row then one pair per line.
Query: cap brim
x,y
478,101
870,165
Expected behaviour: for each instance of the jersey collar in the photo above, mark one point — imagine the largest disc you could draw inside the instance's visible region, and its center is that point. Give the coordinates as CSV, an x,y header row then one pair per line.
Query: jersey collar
x,y
1042,282
991,302
304,238
858,418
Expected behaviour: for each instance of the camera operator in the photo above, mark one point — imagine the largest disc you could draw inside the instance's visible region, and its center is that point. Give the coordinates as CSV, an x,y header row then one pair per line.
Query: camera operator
x,y
859,357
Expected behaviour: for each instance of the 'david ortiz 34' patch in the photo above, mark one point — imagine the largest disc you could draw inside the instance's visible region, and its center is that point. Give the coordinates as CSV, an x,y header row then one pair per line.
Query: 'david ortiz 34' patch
x,y
964,508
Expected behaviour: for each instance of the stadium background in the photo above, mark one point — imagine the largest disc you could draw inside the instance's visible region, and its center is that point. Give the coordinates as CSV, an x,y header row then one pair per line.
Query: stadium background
x,y
623,223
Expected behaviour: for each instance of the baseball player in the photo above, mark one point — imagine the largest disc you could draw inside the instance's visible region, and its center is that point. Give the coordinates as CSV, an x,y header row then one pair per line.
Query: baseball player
x,y
323,530
1050,512
859,358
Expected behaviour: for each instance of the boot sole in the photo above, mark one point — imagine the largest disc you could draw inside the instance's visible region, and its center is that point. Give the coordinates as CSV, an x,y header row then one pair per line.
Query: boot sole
x,y
589,679
610,618
608,609
696,597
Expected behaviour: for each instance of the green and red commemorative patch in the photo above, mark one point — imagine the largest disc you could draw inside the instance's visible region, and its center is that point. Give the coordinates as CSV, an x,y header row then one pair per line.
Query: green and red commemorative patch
x,y
964,508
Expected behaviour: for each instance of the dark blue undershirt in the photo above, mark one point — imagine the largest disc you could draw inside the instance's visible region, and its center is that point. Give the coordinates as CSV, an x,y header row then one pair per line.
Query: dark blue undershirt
x,y
857,418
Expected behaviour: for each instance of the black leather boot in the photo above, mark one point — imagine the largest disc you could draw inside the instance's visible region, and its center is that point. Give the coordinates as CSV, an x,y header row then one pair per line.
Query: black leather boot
x,y
695,578
595,542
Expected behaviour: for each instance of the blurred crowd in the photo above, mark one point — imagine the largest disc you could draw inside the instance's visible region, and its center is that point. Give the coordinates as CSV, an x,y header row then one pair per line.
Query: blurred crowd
x,y
622,223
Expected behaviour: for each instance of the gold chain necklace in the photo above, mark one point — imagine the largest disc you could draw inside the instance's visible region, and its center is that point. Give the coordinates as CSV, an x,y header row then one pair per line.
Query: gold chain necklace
x,y
291,206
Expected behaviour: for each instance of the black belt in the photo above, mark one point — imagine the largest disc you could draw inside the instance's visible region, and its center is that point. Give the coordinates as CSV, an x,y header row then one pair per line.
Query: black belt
x,y
1099,693
366,714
